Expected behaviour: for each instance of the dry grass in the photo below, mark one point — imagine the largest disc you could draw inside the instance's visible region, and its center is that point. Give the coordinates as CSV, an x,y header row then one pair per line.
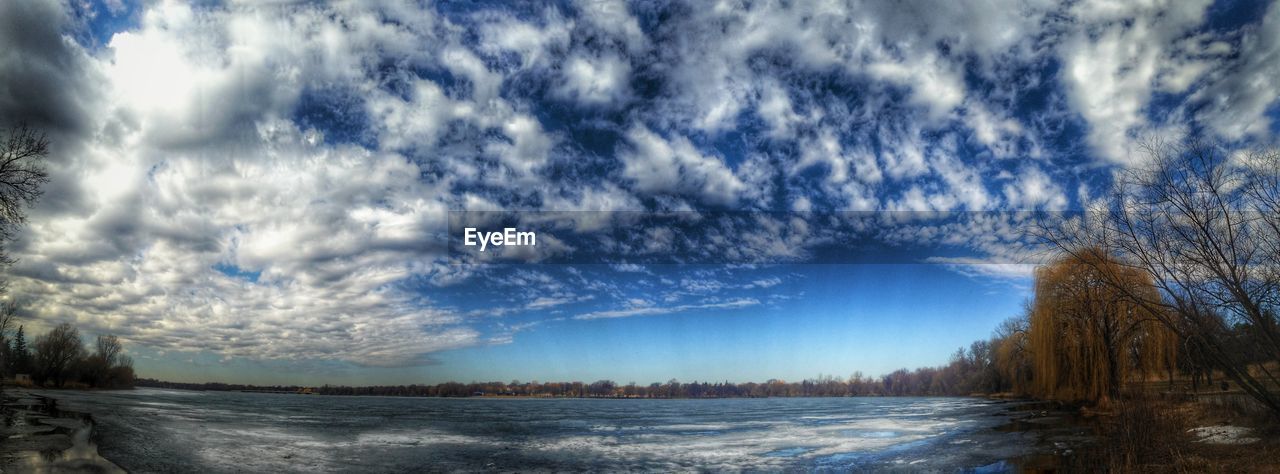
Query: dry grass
x,y
1143,434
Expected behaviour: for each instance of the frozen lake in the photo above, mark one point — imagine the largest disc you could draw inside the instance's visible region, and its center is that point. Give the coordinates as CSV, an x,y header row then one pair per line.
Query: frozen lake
x,y
166,430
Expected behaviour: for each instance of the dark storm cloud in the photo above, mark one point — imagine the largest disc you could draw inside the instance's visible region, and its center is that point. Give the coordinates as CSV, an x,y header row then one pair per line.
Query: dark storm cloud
x,y
42,73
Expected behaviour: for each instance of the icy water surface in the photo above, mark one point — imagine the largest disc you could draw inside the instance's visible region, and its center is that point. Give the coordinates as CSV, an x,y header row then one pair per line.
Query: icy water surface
x,y
172,430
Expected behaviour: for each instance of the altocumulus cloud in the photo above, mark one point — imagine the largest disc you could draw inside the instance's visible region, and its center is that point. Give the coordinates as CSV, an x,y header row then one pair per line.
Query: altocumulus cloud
x,y
272,181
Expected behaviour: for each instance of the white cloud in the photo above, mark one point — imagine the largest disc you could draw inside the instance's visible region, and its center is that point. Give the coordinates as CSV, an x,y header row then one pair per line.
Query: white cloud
x,y
997,133
1112,63
987,269
419,120
656,165
1032,189
826,149
595,81
197,168
643,308
314,223
775,108
903,157
963,182
935,84
613,18
532,42
1238,98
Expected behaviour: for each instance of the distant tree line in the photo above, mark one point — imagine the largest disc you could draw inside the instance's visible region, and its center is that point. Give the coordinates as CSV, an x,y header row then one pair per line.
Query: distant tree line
x,y
59,358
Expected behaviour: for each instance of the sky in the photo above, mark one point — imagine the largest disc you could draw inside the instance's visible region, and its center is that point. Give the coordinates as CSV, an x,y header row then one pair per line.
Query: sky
x,y
264,192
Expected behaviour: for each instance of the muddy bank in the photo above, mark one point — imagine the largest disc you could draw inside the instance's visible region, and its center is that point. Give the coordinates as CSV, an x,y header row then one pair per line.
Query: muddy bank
x,y
38,437
1064,439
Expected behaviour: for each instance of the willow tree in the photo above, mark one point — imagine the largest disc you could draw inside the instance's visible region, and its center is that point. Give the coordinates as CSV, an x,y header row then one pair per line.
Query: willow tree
x,y
1086,337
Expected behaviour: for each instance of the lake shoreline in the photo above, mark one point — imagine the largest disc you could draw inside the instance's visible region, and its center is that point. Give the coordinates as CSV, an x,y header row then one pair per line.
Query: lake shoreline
x,y
37,436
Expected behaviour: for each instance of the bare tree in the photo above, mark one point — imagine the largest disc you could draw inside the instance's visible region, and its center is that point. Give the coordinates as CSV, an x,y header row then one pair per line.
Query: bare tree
x,y
1012,351
56,352
109,349
1203,222
22,172
107,367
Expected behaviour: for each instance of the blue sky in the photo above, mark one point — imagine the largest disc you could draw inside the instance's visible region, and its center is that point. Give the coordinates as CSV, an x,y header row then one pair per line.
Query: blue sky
x,y
829,319
262,193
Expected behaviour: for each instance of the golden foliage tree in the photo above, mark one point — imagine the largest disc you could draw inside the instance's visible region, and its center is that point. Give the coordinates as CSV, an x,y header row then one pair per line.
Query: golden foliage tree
x,y
1087,336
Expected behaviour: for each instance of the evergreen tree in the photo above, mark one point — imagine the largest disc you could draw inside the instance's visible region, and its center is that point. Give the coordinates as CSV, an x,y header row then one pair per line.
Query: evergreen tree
x,y
20,360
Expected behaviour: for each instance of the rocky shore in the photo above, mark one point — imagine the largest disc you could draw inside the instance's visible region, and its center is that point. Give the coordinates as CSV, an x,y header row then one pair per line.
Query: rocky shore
x,y
37,437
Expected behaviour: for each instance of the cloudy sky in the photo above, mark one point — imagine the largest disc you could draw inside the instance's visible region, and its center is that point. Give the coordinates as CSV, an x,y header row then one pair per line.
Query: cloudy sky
x,y
261,191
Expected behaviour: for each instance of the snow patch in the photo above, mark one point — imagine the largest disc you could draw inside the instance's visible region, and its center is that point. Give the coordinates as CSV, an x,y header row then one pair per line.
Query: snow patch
x,y
1224,434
